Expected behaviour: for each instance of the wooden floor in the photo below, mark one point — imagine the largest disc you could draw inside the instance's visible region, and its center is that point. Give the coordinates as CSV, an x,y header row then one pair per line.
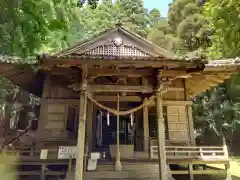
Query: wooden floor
x,y
141,170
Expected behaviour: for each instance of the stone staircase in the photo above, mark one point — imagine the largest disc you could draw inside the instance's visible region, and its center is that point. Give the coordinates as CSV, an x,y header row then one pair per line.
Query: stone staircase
x,y
133,171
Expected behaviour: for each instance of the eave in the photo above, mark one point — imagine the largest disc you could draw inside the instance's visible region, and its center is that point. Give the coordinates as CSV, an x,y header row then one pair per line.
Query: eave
x,y
215,73
103,61
22,74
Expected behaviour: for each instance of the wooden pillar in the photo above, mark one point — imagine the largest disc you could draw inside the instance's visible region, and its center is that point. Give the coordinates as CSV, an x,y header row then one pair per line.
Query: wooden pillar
x,y
138,140
89,125
227,166
81,127
228,172
190,169
190,125
94,122
145,128
43,169
42,121
163,172
118,165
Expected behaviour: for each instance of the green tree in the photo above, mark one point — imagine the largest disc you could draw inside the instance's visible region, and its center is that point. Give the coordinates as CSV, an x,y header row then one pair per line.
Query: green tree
x,y
189,25
154,17
219,107
224,18
159,31
97,20
29,27
133,15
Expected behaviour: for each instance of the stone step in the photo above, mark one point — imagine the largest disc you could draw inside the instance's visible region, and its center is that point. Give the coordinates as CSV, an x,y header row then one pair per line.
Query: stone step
x,y
129,171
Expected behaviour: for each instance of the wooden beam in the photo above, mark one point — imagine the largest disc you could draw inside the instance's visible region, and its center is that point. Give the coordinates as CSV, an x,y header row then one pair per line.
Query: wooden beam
x,y
119,72
115,61
120,88
174,73
104,98
177,89
100,98
173,103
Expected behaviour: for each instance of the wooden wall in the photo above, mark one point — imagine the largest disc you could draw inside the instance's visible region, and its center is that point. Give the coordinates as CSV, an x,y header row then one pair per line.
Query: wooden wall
x,y
179,122
54,110
54,126
178,127
57,97
176,95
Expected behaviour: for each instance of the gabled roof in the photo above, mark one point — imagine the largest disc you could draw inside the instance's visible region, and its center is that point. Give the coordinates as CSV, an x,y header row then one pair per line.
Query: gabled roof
x,y
134,44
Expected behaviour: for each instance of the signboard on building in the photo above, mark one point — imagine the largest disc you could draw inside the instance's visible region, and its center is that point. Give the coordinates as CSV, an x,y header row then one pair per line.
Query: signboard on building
x,y
43,154
66,152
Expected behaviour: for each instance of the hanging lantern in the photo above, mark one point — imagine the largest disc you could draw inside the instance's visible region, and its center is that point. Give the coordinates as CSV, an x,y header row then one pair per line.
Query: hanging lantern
x,y
108,119
132,118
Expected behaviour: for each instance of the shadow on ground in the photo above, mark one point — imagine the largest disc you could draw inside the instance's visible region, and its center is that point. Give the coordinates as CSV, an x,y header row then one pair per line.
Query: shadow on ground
x,y
205,177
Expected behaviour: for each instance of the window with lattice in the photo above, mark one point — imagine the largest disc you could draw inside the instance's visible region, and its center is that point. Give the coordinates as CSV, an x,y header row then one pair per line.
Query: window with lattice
x,y
113,50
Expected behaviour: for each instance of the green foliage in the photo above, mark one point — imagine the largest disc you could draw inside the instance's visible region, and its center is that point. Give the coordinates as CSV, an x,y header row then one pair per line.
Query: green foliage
x,y
189,25
133,15
154,17
28,26
218,109
224,19
97,20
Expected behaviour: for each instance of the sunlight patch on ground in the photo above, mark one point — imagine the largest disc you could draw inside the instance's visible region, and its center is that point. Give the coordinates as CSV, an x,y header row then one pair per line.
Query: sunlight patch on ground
x,y
234,165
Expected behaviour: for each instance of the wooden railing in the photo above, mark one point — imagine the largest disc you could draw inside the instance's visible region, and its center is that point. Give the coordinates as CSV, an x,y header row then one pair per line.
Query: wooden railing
x,y
28,162
28,156
29,152
190,152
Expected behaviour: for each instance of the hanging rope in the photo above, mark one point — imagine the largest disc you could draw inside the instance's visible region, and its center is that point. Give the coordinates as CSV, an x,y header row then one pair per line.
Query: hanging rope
x,y
121,113
130,111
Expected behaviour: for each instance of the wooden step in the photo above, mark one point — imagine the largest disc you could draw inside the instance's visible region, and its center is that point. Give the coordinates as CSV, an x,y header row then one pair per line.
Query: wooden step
x,y
127,167
116,175
129,171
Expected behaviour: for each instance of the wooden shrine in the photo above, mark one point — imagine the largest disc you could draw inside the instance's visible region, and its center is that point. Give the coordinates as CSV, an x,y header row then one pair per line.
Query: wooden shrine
x,y
118,89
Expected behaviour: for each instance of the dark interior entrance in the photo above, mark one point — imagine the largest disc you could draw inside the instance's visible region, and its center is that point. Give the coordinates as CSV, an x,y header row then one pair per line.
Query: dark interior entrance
x,y
106,129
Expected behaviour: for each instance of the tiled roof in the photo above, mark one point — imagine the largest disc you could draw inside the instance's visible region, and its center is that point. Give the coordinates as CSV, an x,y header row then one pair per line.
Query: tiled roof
x,y
17,60
224,62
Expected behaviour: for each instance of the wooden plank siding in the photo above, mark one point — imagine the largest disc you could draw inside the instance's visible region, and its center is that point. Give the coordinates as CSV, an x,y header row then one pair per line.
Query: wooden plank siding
x,y
53,118
177,123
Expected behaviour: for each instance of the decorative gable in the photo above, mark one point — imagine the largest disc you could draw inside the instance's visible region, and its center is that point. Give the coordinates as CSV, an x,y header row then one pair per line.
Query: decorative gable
x,y
111,49
117,42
